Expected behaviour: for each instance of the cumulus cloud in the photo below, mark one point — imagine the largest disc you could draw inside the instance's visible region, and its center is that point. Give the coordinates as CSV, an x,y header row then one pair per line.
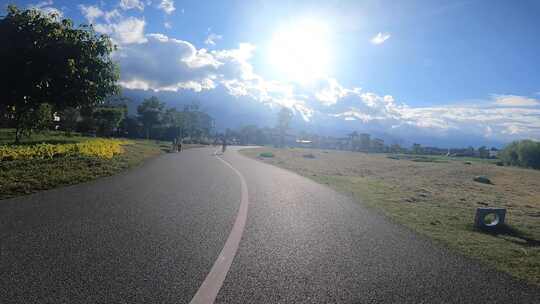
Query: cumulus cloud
x,y
159,63
515,101
122,30
111,16
90,13
502,123
46,8
167,6
163,63
330,91
131,4
43,4
167,64
380,38
212,38
236,62
127,31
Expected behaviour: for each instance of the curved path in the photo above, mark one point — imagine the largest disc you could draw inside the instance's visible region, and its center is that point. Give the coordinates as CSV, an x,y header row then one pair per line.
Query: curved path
x,y
153,235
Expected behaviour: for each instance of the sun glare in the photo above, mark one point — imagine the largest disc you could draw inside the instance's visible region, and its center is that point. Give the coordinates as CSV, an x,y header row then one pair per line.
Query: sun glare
x,y
300,51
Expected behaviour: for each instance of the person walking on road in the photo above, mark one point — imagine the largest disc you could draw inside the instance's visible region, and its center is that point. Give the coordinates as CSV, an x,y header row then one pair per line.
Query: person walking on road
x,y
224,146
174,146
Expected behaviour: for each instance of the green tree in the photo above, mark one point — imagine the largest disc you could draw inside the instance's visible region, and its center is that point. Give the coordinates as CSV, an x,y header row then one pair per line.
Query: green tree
x,y
365,142
175,121
107,119
150,114
483,152
524,153
354,141
51,61
131,127
205,124
69,118
395,148
417,149
262,136
196,122
248,134
284,120
37,119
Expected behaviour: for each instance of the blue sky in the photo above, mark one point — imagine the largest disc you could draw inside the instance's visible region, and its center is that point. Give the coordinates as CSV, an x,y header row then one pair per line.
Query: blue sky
x,y
428,71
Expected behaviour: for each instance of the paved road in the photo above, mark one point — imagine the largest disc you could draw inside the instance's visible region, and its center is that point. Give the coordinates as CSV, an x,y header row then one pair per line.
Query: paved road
x,y
152,235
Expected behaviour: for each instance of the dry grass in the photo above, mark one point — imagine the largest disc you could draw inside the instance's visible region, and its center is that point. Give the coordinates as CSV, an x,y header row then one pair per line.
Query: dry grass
x,y
436,197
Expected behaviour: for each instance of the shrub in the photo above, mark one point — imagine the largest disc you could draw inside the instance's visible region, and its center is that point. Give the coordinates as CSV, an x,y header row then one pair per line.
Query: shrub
x,y
266,154
524,153
482,179
102,148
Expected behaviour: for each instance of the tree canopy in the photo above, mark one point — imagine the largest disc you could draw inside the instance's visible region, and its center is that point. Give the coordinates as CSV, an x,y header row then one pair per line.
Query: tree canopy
x,y
523,153
49,61
150,113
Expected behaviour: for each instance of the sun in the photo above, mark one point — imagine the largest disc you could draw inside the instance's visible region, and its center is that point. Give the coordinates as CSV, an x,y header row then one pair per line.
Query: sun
x,y
300,51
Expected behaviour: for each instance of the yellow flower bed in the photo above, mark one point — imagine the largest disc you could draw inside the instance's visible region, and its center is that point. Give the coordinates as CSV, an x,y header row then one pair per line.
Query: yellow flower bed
x,y
102,148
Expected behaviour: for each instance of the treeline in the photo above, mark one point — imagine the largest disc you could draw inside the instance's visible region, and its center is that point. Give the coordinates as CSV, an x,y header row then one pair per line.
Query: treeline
x,y
155,121
252,135
523,153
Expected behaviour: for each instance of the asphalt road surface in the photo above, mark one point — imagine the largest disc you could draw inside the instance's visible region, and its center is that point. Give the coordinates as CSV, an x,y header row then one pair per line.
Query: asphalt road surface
x,y
154,233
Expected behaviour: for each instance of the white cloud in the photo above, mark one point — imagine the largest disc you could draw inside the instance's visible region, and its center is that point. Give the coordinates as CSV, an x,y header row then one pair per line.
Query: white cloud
x,y
111,16
496,123
236,61
212,38
167,25
196,86
90,13
380,38
161,63
130,30
126,31
167,6
131,4
46,8
166,64
331,91
122,30
42,4
52,11
515,101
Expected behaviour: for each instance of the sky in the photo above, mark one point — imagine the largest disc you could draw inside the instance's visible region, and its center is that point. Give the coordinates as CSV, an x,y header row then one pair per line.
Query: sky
x,y
445,73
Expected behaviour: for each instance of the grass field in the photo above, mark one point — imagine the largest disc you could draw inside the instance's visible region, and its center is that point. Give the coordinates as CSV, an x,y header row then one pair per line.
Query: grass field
x,y
435,196
20,177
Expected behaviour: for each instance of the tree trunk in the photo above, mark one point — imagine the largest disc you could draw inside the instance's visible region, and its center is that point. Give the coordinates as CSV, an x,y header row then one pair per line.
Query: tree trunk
x,y
17,135
18,129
